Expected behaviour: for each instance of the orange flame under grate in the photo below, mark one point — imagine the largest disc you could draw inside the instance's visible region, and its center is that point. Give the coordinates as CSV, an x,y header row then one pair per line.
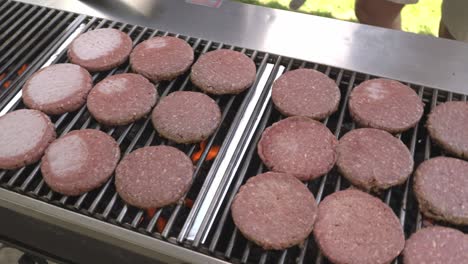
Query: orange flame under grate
x,y
22,69
161,222
212,153
19,72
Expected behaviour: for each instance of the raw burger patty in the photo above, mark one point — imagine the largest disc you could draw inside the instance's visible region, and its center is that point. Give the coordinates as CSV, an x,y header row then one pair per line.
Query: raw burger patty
x,y
25,134
448,127
223,72
373,159
306,92
153,177
100,49
80,161
161,58
436,245
186,117
57,89
385,104
300,146
121,99
274,210
441,187
354,227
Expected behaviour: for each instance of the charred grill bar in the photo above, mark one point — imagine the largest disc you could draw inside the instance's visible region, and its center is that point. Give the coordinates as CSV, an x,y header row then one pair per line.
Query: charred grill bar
x,y
199,228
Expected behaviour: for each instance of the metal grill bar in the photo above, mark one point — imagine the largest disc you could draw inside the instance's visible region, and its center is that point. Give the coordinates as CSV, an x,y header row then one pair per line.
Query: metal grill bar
x,y
24,27
3,6
10,10
14,17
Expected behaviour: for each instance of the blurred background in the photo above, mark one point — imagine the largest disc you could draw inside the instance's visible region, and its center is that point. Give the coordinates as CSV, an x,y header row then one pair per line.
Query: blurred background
x,y
421,18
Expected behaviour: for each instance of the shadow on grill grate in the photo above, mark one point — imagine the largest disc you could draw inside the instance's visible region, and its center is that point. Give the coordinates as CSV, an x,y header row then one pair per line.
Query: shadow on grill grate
x,y
225,241
104,203
27,33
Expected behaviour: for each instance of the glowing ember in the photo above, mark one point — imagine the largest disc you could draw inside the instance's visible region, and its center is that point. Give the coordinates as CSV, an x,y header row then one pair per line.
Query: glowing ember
x,y
211,153
22,69
7,84
160,224
19,72
150,212
188,203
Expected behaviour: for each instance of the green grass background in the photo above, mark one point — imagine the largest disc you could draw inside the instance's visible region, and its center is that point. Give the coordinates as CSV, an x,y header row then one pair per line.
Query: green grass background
x,y
422,18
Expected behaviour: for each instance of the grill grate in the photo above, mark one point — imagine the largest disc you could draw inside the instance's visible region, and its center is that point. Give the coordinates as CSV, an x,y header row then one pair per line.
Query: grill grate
x,y
27,33
104,203
226,242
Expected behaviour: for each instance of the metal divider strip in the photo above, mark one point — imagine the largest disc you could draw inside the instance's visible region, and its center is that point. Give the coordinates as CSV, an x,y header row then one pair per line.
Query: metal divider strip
x,y
237,148
220,157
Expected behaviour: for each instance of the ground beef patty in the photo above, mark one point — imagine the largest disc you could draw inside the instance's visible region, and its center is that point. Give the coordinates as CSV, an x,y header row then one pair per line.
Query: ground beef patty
x,y
300,146
373,159
448,127
436,245
223,72
57,89
121,99
161,58
80,161
441,187
385,104
306,92
153,177
100,49
25,134
186,117
354,227
274,210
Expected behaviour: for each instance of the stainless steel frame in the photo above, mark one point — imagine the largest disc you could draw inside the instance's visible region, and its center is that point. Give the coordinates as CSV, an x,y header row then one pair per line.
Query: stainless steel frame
x,y
119,237
417,59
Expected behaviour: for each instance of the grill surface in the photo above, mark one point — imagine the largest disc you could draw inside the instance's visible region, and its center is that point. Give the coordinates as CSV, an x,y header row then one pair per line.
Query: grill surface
x,y
32,36
104,203
225,241
27,33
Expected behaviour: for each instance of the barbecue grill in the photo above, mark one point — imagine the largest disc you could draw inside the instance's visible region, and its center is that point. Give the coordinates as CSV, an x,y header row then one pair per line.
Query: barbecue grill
x,y
98,227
